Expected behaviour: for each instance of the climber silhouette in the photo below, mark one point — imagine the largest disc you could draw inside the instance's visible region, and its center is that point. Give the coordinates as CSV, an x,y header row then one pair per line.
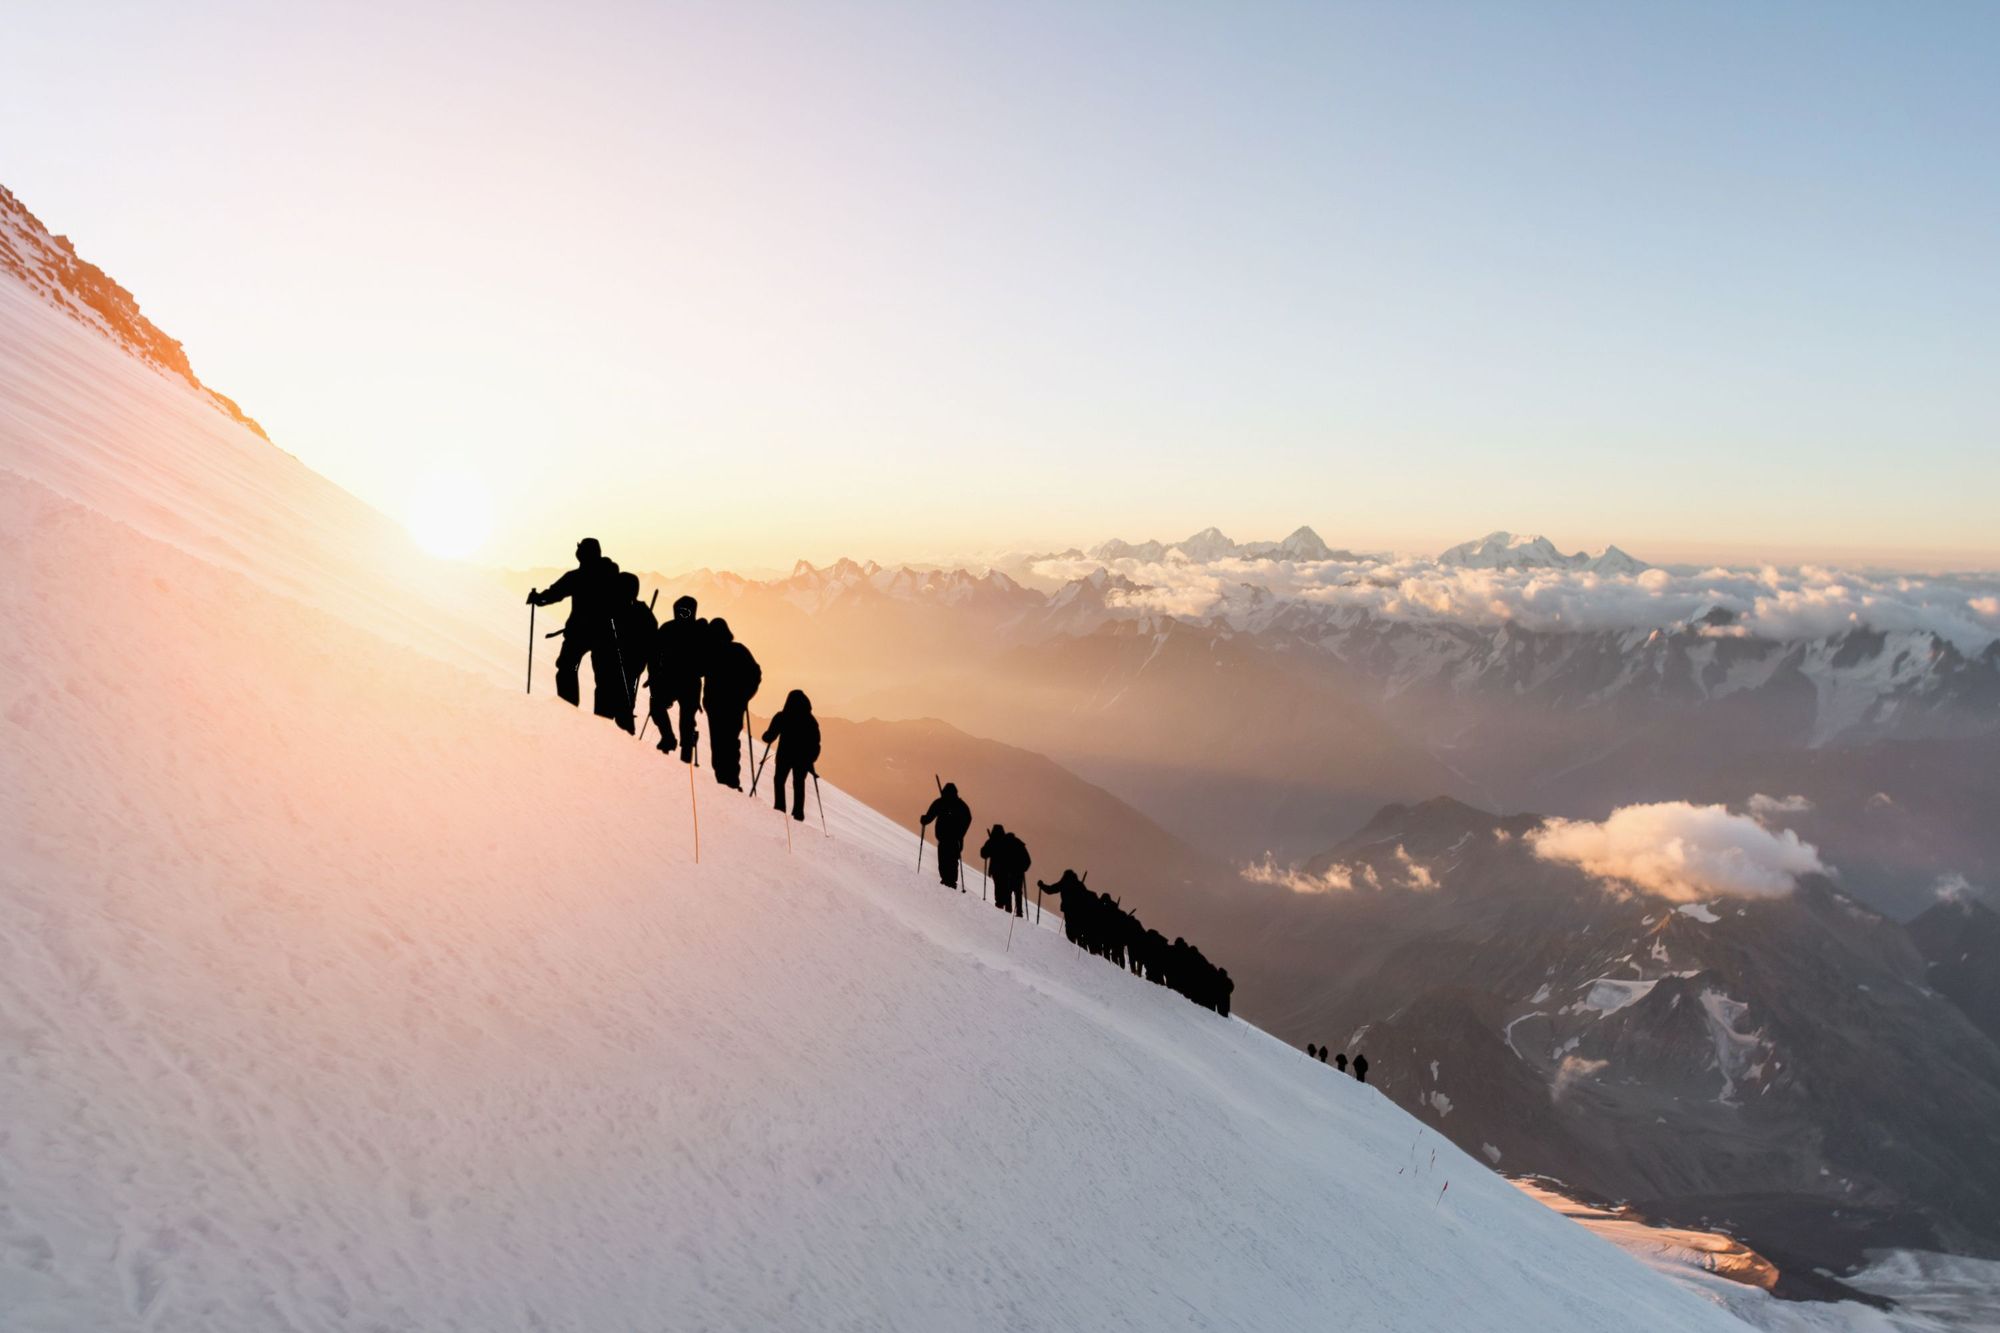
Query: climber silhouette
x,y
628,646
796,731
1071,897
731,678
1339,1061
953,818
1007,861
1361,1066
592,593
673,671
1312,1051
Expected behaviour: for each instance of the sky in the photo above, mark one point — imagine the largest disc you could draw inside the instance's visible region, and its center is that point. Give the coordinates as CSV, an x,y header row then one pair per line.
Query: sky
x,y
738,283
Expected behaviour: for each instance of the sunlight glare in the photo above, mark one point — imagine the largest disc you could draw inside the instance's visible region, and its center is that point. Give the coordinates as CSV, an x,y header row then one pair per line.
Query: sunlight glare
x,y
450,514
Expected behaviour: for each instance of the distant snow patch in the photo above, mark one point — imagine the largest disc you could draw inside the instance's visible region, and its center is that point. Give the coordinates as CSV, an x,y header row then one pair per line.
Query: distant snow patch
x,y
1441,1102
1772,807
1607,995
1492,1153
1734,1049
1700,912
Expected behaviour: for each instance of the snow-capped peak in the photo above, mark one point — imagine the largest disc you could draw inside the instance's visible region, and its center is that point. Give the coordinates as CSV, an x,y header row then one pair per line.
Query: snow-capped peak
x,y
1504,550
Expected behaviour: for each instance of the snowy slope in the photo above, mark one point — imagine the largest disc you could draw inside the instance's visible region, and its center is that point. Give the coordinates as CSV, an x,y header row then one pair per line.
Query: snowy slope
x,y
341,986
88,420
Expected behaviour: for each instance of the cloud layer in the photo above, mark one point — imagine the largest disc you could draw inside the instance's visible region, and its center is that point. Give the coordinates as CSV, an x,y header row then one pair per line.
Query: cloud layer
x,y
1406,873
1681,852
1808,602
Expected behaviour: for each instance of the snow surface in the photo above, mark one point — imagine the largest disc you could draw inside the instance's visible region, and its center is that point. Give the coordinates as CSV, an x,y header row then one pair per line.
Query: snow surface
x,y
342,986
1933,1293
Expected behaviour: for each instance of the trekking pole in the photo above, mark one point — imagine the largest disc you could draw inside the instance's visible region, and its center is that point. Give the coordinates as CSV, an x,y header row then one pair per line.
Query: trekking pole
x,y
631,695
531,647
1038,902
920,848
982,879
1010,934
749,744
649,676
788,831
758,771
818,802
695,810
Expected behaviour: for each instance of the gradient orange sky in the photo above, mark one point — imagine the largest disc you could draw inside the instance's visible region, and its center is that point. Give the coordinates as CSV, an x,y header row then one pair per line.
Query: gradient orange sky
x,y
737,284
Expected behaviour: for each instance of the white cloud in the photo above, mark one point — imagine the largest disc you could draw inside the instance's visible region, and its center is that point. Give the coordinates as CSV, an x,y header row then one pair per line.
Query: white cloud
x,y
1415,874
1808,602
1768,808
1681,852
1335,879
1408,873
1953,887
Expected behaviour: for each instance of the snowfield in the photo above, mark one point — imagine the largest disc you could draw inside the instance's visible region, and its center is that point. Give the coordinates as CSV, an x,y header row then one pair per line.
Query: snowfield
x,y
343,987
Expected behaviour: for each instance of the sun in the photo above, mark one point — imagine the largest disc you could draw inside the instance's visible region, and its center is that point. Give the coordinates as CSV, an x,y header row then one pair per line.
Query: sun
x,y
450,514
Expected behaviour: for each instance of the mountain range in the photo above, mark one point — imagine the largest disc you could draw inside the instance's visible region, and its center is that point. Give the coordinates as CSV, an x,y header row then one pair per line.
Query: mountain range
x,y
1269,721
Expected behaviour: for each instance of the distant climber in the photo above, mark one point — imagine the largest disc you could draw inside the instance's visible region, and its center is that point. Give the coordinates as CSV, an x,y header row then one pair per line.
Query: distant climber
x,y
953,818
1007,860
630,642
1071,896
1339,1061
674,670
730,681
1312,1052
592,593
796,731
1361,1066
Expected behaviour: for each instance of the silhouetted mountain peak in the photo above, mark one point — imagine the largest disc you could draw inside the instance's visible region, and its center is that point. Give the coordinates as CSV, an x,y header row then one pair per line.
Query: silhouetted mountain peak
x,y
1437,813
50,266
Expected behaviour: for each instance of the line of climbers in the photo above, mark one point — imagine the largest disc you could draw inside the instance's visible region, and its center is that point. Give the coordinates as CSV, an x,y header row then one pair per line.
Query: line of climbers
x,y
1340,1060
1093,921
697,666
688,664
